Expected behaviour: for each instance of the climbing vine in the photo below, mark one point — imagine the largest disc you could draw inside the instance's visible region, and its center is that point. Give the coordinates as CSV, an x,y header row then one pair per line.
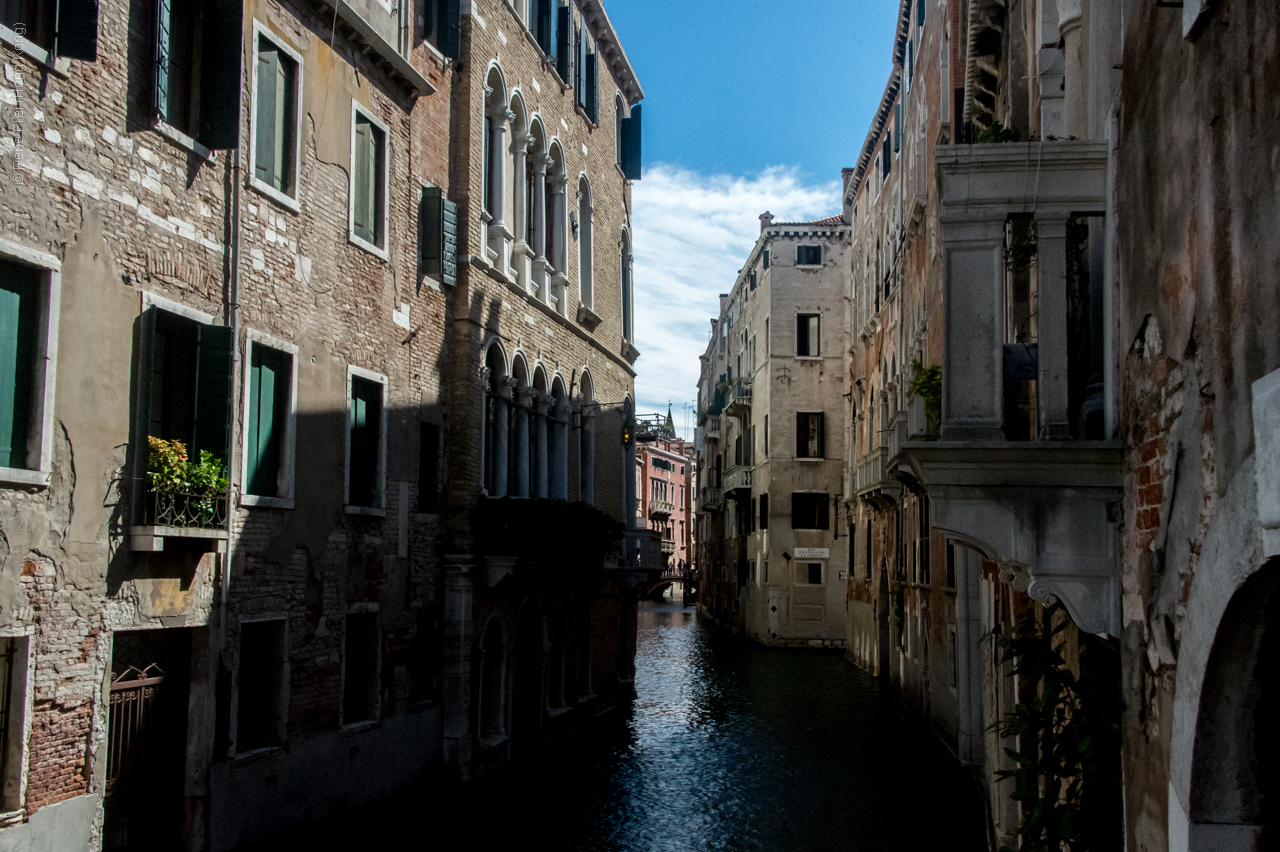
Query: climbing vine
x,y
926,383
1056,733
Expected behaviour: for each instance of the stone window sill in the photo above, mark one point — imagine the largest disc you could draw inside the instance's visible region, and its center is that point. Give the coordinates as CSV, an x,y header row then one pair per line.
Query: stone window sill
x,y
59,66
22,476
182,140
266,189
368,511
261,502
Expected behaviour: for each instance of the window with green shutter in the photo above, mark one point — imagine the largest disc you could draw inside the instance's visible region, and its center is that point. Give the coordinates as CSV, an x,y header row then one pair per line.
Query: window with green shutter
x,y
368,165
438,223
275,120
267,411
20,288
364,425
197,69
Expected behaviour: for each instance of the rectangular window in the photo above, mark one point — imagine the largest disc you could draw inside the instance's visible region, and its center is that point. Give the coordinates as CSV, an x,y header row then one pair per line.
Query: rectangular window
x,y
809,511
808,255
368,181
263,686
197,69
427,661
951,566
810,438
764,511
13,702
764,259
808,338
428,468
269,423
440,22
275,119
809,573
360,668
766,436
365,439
29,297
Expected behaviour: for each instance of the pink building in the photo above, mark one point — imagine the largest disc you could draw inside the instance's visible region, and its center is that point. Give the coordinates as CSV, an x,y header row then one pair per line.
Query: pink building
x,y
664,474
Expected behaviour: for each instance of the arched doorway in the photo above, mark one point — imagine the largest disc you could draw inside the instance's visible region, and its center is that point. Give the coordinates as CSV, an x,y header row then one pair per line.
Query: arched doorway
x,y
1235,794
527,698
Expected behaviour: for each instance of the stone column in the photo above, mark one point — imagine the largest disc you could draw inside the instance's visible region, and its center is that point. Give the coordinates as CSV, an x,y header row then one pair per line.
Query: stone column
x,y
520,213
501,438
560,451
1075,108
1051,295
968,655
540,164
499,115
587,475
456,700
540,446
521,485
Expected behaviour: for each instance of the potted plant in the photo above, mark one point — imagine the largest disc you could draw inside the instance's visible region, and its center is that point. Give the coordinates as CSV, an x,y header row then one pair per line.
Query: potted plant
x,y
186,493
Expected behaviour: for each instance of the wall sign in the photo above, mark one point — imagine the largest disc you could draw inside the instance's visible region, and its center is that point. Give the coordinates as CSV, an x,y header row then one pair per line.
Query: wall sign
x,y
813,553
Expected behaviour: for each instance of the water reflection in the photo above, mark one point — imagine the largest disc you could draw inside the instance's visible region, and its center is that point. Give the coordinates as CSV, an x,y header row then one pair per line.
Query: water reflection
x,y
730,746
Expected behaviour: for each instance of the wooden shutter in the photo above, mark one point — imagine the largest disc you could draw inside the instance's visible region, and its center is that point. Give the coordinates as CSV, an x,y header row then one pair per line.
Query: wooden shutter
x,y
450,27
265,143
213,390
579,65
365,423
920,9
221,32
364,174
19,312
267,410
631,144
164,32
438,220
766,258
562,42
592,105
822,436
544,21
802,435
77,30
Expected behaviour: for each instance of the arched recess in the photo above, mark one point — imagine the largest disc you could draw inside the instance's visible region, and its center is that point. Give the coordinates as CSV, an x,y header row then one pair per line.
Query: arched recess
x,y
535,188
619,113
527,695
495,421
541,432
558,467
520,478
493,170
1234,791
587,441
557,217
493,676
586,290
517,202
624,259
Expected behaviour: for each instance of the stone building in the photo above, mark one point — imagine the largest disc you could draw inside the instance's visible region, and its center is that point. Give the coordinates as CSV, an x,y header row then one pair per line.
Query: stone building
x,y
242,230
772,386
539,634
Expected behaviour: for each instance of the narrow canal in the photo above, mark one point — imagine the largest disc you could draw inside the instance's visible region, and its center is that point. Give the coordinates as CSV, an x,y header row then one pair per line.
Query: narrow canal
x,y
730,746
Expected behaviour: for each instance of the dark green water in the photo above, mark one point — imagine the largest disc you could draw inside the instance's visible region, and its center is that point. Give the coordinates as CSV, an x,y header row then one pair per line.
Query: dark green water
x,y
730,746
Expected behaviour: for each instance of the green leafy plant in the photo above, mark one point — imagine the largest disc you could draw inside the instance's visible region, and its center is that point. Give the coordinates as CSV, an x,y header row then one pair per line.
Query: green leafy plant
x,y
926,383
187,492
1055,730
996,133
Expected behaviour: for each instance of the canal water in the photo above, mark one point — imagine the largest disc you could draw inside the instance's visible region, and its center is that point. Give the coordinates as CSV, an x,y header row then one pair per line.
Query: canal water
x,y
730,746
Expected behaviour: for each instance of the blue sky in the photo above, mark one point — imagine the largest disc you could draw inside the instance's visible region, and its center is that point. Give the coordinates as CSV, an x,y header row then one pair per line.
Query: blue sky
x,y
749,105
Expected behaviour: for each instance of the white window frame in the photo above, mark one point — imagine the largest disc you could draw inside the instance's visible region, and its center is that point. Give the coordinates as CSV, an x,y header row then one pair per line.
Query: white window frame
x,y
20,723
817,265
288,448
379,511
285,200
379,251
44,394
259,618
806,562
796,345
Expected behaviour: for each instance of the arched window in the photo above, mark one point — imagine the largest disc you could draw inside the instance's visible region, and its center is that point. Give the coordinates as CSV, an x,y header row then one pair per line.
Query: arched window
x,y
626,286
619,113
587,443
495,423
558,472
586,294
521,454
557,215
492,679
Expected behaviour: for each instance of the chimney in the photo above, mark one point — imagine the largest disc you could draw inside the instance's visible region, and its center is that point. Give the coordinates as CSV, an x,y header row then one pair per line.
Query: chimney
x,y
846,179
766,219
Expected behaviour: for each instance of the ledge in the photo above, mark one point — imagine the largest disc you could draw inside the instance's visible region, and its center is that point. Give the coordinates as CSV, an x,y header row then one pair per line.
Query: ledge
x,y
367,511
379,52
151,538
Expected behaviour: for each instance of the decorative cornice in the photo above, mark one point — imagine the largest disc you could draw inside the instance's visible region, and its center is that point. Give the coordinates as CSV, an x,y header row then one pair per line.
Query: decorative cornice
x,y
610,47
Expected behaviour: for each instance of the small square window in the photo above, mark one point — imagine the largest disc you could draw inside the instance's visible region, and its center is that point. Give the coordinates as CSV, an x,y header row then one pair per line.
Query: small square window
x,y
275,119
368,181
808,255
815,573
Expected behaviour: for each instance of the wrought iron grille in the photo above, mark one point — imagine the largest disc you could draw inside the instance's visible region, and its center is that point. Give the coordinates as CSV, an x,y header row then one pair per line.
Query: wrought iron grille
x,y
133,701
188,509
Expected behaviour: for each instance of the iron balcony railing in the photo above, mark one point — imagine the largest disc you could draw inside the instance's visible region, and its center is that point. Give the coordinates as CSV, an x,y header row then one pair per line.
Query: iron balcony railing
x,y
188,510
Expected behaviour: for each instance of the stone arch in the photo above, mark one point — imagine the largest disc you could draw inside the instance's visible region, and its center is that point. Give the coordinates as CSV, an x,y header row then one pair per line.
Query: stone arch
x,y
586,211
494,155
557,214
558,451
493,675
587,440
619,113
627,297
495,420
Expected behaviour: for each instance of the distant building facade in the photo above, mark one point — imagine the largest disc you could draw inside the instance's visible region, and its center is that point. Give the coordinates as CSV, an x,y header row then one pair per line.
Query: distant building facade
x,y
773,558
664,483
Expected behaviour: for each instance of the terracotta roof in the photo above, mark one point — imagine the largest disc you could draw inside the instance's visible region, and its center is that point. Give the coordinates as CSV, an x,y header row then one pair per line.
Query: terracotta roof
x,y
837,219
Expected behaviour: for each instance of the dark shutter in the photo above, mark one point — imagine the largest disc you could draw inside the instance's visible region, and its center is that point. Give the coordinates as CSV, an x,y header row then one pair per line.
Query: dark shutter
x,y
766,258
579,65
543,25
797,512
438,220
764,511
592,105
222,34
821,511
562,43
267,410
450,27
264,151
19,312
920,13
78,30
213,390
631,144
802,335
897,127
802,435
822,437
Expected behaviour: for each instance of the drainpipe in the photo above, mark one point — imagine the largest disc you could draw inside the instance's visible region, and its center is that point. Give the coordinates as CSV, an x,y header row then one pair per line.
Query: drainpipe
x,y
233,322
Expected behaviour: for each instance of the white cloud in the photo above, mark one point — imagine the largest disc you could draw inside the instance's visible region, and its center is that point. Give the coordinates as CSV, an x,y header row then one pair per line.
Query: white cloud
x,y
692,235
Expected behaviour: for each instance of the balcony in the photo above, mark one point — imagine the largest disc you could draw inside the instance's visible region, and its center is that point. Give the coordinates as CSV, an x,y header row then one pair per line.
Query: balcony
x,y
180,514
668,546
661,509
739,402
737,479
711,431
1005,477
711,499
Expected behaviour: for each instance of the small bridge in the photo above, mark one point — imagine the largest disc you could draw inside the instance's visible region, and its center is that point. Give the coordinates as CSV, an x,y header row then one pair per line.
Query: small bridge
x,y
657,586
